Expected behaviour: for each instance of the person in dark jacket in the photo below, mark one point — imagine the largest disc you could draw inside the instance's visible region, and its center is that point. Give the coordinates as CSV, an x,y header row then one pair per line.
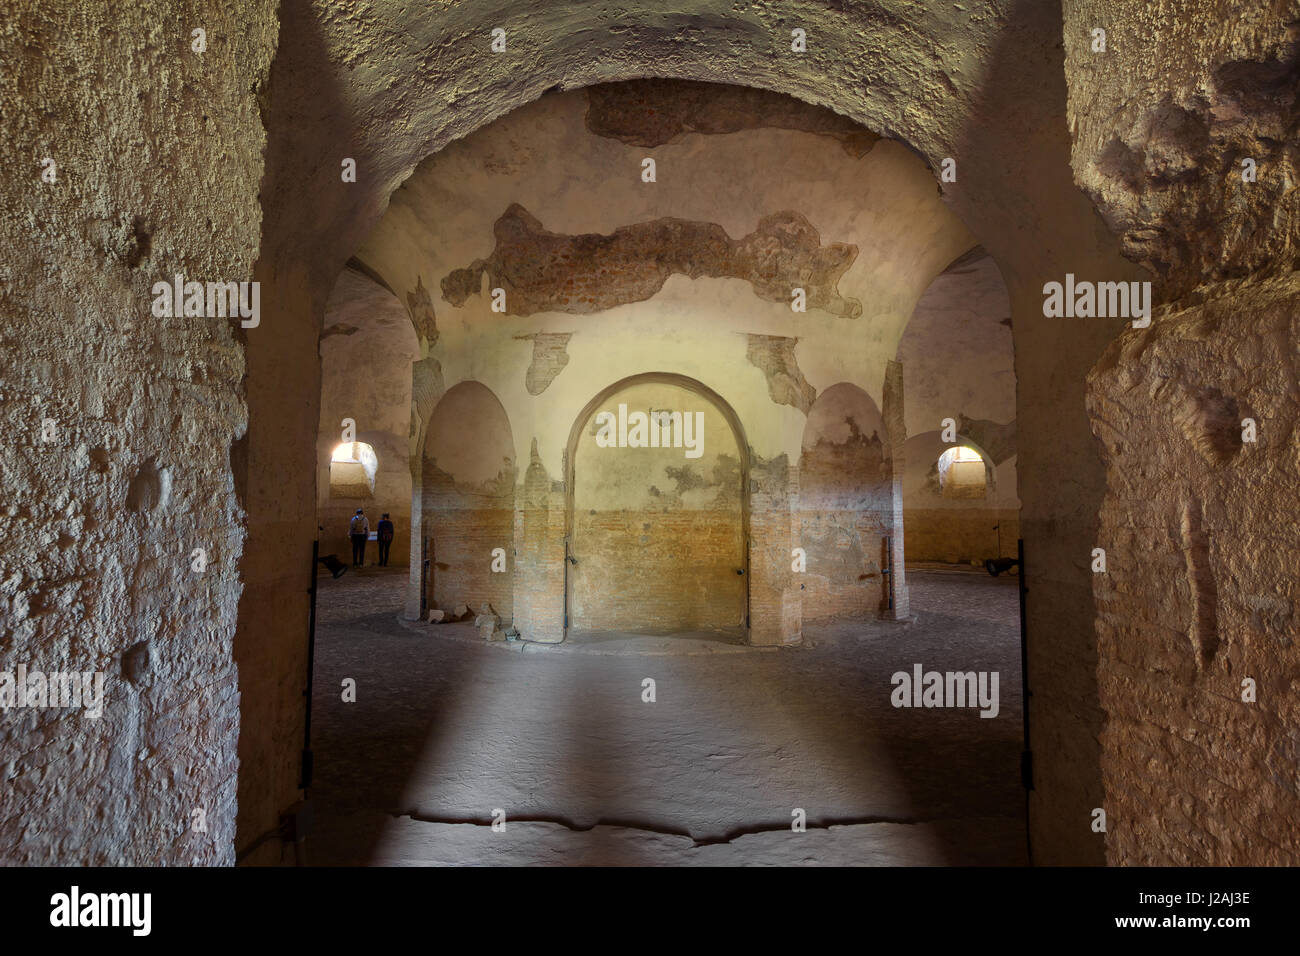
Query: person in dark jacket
x,y
385,539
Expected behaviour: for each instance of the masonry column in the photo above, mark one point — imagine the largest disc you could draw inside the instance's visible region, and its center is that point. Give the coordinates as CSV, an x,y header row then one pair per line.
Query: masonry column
x,y
775,604
539,555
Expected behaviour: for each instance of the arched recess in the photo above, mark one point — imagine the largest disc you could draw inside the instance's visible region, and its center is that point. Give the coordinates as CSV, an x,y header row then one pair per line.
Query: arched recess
x,y
366,348
657,538
957,530
958,359
846,505
468,491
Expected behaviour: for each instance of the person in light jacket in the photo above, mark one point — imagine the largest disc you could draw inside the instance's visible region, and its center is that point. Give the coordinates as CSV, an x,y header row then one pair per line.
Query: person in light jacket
x,y
358,531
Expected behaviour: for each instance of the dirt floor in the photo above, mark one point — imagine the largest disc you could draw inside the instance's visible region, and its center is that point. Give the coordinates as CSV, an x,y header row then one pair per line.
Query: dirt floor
x,y
448,732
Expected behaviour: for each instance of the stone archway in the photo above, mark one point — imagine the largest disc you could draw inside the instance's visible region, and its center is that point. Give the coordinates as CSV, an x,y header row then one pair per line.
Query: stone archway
x,y
468,501
642,558
1003,117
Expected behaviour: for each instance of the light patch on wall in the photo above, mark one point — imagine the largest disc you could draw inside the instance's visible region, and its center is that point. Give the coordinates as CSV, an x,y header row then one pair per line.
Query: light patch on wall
x,y
961,473
352,470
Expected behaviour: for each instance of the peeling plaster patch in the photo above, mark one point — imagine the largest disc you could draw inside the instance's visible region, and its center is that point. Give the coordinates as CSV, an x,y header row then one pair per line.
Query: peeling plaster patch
x,y
549,359
420,305
997,442
852,474
658,111
548,272
774,356
442,490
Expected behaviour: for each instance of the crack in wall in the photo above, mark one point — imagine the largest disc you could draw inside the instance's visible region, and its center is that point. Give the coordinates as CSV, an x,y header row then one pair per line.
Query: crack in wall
x,y
647,827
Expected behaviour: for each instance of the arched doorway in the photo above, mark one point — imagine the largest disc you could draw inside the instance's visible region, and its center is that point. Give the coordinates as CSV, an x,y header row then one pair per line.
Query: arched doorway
x,y
846,505
657,516
468,491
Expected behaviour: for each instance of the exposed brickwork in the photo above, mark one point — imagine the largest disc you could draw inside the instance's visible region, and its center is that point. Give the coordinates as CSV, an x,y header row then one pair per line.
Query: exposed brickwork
x,y
652,571
544,271
775,601
465,525
959,535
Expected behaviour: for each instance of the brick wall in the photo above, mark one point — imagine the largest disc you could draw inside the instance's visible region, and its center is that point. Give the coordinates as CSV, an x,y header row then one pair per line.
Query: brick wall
x,y
960,535
658,571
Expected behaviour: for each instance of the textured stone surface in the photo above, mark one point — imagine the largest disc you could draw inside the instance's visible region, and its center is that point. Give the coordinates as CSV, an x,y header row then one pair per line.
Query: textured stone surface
x,y
1161,128
95,574
1200,590
541,271
655,112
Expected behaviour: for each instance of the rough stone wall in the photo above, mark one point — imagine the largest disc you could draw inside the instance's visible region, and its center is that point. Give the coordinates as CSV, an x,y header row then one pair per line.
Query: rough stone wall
x,y
1200,592
1199,588
1161,131
145,415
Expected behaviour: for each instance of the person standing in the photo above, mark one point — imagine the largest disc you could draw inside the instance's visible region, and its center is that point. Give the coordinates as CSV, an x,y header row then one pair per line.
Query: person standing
x,y
385,539
359,530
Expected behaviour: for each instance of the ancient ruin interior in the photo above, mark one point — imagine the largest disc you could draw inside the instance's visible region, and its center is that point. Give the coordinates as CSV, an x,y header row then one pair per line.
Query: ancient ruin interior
x,y
812,433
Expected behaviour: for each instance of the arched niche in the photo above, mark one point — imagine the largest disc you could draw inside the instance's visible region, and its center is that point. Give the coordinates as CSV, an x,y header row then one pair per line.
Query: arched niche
x,y
845,505
657,537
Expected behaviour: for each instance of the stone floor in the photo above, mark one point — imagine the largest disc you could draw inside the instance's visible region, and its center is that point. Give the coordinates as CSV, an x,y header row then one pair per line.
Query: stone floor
x,y
447,730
